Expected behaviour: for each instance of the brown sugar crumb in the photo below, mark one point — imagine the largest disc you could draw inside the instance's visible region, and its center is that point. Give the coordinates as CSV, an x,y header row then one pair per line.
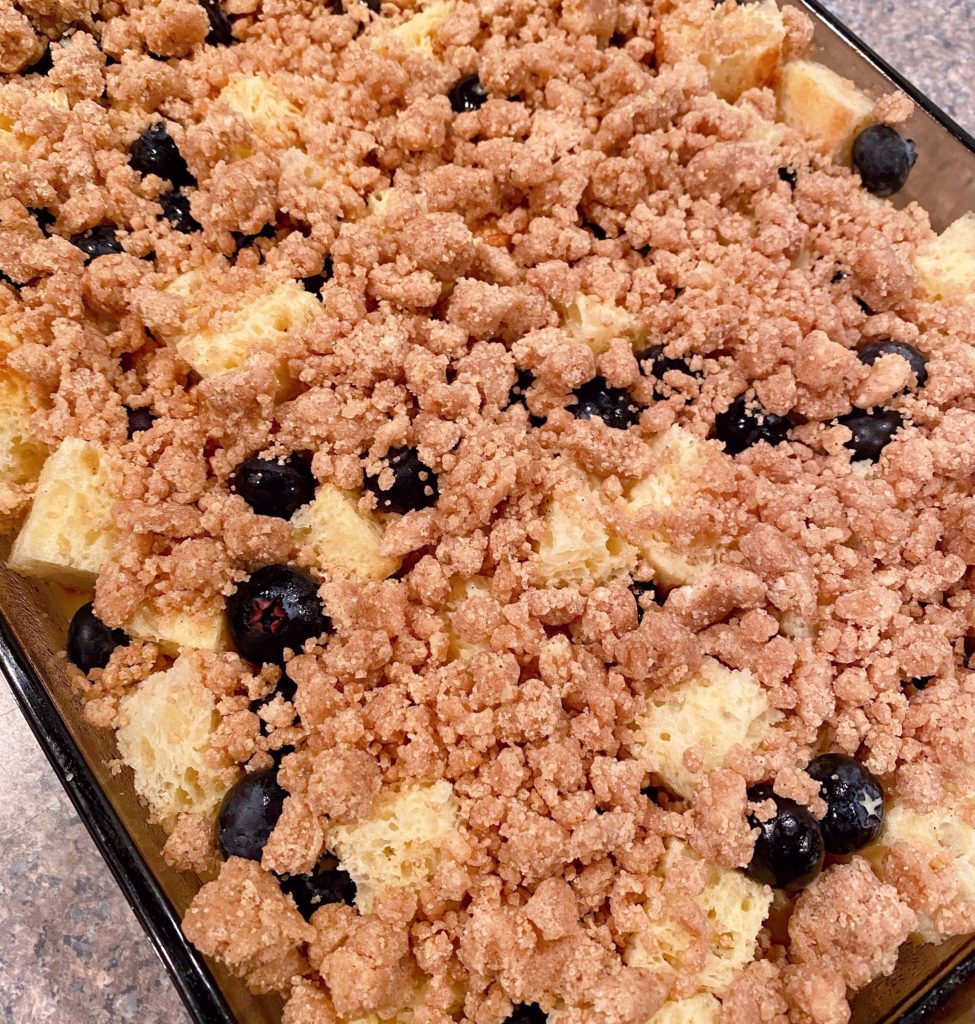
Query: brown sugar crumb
x,y
192,845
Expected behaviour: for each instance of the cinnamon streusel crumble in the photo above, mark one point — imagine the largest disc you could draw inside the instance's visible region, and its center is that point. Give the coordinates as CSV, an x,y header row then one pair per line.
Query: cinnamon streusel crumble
x,y
522,466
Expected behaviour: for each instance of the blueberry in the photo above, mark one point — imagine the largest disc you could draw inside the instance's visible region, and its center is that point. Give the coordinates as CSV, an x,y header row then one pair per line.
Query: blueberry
x,y
742,425
468,94
869,354
43,65
527,1013
414,484
98,241
220,34
789,176
286,689
176,209
518,395
884,159
277,608
155,152
242,241
316,282
248,814
646,593
275,488
90,641
872,431
854,802
328,883
44,218
920,682
864,305
658,365
597,400
139,420
789,851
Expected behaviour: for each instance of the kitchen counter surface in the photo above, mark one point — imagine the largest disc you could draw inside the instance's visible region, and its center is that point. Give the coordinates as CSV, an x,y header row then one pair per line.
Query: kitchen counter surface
x,y
71,949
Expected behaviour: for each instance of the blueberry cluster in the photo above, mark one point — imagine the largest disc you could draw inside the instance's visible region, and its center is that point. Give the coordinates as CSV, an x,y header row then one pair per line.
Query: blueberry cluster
x,y
792,845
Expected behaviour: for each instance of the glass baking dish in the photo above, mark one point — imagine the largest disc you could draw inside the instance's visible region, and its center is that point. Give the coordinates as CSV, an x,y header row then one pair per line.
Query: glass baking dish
x,y
32,631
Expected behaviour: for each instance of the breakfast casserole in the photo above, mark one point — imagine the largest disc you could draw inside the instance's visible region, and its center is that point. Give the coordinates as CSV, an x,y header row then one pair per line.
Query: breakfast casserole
x,y
508,466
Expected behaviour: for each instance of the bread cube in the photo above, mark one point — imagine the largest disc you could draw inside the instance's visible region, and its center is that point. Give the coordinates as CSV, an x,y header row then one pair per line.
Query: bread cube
x,y
19,141
419,33
713,711
576,544
163,732
460,591
740,46
700,1009
176,632
69,533
342,539
596,322
823,106
681,463
260,323
270,114
946,266
942,836
21,453
735,908
399,844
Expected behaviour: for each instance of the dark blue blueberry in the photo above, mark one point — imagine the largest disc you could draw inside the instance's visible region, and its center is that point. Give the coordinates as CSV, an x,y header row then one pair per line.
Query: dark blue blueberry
x,y
98,241
328,883
597,400
920,682
527,1013
789,176
43,217
176,209
869,354
414,485
221,33
518,395
658,365
155,152
864,305
854,802
316,282
789,851
248,814
884,159
139,420
742,425
872,431
90,641
273,487
646,593
468,94
277,608
286,689
242,241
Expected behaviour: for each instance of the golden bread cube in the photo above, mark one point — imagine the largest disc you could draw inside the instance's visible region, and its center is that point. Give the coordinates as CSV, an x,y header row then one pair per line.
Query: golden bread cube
x,y
700,1009
163,732
946,266
943,836
69,533
460,591
596,322
681,461
21,453
715,710
399,844
270,114
823,106
419,33
261,323
735,908
576,544
176,632
740,46
343,539
20,141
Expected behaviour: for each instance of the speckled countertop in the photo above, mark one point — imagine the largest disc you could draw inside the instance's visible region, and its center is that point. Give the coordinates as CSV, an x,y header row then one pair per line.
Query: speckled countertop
x,y
71,951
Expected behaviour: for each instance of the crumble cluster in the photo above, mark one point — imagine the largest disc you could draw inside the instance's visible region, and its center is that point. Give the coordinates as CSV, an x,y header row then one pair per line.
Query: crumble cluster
x,y
605,204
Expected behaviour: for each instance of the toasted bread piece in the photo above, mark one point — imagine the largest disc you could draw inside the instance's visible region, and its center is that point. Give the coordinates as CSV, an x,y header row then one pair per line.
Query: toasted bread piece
x,y
343,539
21,453
823,106
176,632
399,844
597,322
734,907
163,733
69,533
419,33
946,266
270,114
700,1009
741,46
715,710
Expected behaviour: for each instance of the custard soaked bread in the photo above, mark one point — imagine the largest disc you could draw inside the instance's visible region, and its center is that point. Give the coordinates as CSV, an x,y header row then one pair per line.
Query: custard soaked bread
x,y
514,471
